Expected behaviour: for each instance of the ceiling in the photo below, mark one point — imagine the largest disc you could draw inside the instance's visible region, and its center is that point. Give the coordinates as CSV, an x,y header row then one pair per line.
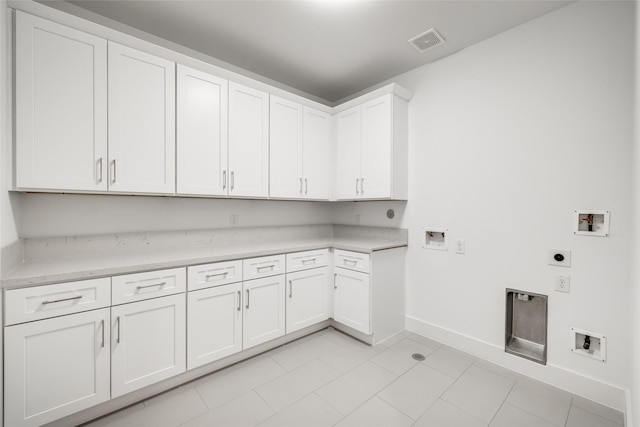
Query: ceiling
x,y
329,49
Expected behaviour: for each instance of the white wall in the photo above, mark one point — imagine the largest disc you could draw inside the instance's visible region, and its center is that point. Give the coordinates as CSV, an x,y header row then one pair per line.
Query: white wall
x,y
507,138
634,401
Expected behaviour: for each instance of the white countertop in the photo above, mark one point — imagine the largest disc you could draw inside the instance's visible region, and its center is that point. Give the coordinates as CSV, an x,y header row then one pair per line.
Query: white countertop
x,y
31,272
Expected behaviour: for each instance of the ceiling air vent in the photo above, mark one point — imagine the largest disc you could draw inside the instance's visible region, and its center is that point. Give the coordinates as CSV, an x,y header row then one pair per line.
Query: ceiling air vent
x,y
426,40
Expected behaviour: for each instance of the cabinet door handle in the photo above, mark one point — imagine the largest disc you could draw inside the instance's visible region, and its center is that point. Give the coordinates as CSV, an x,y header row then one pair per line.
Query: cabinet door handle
x,y
335,276
300,185
290,289
247,306
113,174
361,185
118,336
61,300
151,286
306,185
224,180
233,180
102,326
239,298
99,166
208,276
357,192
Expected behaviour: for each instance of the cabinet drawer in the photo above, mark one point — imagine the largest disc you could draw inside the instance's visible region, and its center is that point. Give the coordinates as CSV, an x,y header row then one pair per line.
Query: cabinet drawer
x,y
215,274
254,268
352,260
309,259
42,302
151,284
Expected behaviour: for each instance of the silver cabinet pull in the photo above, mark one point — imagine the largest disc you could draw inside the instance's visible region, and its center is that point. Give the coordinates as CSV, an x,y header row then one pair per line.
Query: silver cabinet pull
x,y
151,286
233,180
118,337
247,306
361,185
224,180
306,185
311,260
223,274
62,300
102,326
290,289
113,174
272,266
357,192
335,277
300,185
239,298
347,261
99,166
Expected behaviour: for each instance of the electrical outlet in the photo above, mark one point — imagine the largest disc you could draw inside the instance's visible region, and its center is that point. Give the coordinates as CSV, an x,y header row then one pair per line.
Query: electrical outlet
x,y
559,257
562,283
460,246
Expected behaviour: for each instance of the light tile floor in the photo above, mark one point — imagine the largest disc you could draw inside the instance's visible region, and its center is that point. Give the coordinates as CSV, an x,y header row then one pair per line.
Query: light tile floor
x,y
330,379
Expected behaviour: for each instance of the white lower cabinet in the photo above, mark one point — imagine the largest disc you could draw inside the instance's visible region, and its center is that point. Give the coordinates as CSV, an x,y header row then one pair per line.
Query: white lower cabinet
x,y
352,298
56,367
148,342
264,310
307,298
214,324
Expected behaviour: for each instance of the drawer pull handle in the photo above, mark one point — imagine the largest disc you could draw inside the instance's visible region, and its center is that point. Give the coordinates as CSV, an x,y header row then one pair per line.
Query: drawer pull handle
x,y
264,267
310,260
350,261
290,288
151,286
208,276
61,300
239,298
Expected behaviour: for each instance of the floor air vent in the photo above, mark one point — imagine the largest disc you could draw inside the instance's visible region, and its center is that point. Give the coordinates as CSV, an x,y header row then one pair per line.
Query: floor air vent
x,y
426,40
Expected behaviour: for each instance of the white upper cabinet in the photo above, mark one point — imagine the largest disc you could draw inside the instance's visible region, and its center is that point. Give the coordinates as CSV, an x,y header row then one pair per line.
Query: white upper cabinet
x,y
202,133
371,153
61,107
141,122
248,142
300,151
286,180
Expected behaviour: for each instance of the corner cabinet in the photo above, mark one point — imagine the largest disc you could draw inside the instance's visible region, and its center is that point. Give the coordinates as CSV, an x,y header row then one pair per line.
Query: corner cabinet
x,y
300,151
371,150
60,107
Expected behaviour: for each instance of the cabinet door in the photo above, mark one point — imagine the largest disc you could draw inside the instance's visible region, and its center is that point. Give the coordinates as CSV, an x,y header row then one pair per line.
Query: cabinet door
x,y
56,367
352,299
214,324
61,107
148,342
248,142
285,149
376,149
317,154
264,310
348,147
307,298
202,133
141,121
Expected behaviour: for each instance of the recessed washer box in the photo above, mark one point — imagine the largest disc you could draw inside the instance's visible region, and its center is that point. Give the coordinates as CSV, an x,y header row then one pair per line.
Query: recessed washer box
x,y
591,222
434,238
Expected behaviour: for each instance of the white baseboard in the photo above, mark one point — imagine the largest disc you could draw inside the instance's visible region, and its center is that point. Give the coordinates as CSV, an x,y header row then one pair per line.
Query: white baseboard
x,y
562,378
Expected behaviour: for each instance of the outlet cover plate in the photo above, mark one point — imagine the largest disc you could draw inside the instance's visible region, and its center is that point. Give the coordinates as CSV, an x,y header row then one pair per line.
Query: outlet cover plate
x,y
563,283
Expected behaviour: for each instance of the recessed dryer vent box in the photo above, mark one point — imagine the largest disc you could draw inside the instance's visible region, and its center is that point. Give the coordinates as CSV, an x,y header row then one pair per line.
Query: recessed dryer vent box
x,y
591,222
434,238
588,344
526,325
